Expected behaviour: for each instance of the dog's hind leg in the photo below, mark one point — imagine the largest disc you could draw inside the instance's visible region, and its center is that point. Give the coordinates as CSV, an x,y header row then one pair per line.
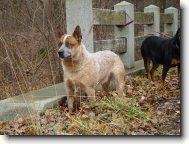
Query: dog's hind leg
x,y
154,67
120,82
146,66
91,93
120,86
106,85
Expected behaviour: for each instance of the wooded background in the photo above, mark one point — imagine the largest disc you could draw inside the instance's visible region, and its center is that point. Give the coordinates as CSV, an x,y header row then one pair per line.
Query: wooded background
x,y
28,42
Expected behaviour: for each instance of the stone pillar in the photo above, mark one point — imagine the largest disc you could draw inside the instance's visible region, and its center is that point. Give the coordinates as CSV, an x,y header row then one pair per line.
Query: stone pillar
x,y
174,26
79,12
155,27
128,58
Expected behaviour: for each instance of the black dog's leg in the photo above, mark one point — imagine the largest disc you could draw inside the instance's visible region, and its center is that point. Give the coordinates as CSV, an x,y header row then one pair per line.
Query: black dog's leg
x,y
164,73
154,67
147,65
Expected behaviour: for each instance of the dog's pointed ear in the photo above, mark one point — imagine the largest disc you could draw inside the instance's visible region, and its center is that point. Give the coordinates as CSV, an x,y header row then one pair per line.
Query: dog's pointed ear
x,y
77,33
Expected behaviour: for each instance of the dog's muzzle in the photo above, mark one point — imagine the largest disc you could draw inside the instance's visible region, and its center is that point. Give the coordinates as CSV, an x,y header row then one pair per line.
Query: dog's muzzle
x,y
64,55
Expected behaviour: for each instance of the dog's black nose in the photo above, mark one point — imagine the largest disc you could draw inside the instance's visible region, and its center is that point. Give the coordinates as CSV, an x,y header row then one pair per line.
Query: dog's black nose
x,y
60,53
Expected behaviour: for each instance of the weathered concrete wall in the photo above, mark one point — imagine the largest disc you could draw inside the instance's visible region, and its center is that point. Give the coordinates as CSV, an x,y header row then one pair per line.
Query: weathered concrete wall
x,y
32,103
174,26
127,32
144,18
108,17
116,45
79,12
155,27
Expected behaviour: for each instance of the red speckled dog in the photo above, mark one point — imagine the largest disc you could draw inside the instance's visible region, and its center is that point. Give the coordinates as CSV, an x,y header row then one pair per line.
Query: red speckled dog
x,y
84,70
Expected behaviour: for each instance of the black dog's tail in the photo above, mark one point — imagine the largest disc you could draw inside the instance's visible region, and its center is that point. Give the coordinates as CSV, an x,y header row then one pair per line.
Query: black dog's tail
x,y
177,38
178,31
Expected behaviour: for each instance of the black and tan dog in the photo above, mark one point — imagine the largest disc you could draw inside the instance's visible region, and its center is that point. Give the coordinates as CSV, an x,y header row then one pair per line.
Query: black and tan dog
x,y
84,70
161,51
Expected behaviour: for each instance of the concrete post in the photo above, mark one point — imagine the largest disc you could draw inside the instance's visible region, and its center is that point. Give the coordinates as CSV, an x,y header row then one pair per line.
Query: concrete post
x,y
155,27
127,32
174,26
79,12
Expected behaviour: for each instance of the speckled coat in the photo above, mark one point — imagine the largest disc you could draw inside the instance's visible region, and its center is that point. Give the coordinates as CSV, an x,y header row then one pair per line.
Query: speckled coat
x,y
84,70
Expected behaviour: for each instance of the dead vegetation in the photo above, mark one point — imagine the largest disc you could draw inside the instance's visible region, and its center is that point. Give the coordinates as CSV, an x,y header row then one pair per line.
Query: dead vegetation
x,y
147,109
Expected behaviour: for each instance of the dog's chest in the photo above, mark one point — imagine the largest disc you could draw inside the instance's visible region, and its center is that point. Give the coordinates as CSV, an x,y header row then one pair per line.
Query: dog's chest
x,y
76,86
84,76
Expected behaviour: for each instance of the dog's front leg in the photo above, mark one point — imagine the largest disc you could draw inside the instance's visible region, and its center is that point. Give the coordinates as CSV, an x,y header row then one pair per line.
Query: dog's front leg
x,y
70,94
70,100
91,93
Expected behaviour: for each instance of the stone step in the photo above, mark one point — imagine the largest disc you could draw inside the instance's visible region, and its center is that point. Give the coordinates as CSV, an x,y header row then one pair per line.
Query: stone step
x,y
33,102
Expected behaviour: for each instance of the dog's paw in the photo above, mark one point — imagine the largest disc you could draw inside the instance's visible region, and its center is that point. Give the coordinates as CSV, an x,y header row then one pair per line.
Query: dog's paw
x,y
92,98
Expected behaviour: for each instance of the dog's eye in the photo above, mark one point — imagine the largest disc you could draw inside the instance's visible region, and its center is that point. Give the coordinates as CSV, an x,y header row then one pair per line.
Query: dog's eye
x,y
69,45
